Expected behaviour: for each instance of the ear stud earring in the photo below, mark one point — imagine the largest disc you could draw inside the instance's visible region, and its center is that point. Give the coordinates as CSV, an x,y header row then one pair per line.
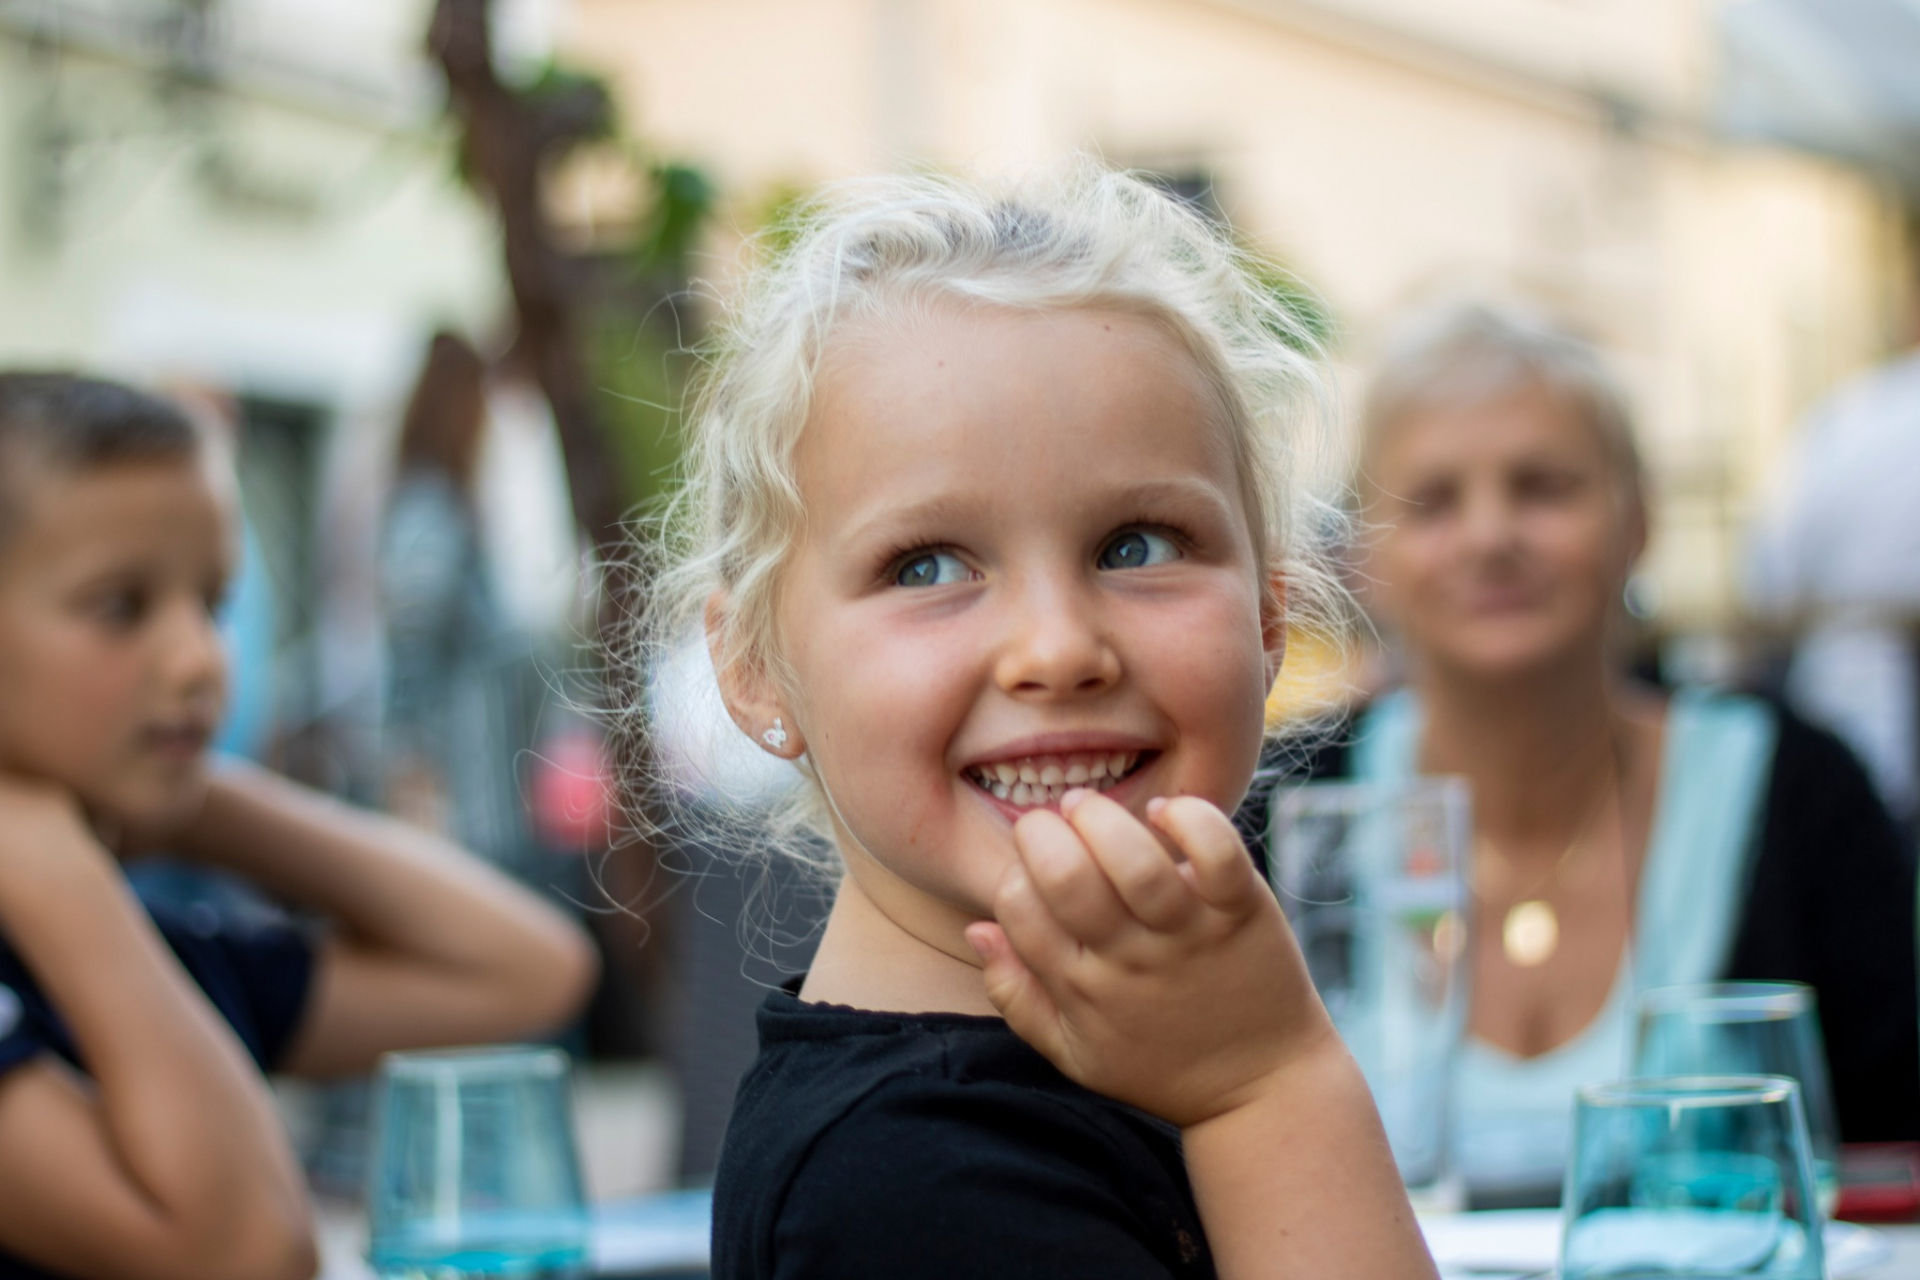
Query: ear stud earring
x,y
775,737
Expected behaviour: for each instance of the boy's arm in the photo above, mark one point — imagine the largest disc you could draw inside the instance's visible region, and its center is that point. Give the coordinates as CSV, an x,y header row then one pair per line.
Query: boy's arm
x,y
170,1161
431,946
1177,987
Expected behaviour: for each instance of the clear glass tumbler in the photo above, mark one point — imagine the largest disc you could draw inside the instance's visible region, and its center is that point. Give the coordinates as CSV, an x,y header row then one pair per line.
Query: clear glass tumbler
x,y
474,1170
1745,1028
1691,1178
1373,878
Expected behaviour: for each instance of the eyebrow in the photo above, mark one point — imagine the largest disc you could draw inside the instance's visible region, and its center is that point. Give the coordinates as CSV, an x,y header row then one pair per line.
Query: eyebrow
x,y
896,522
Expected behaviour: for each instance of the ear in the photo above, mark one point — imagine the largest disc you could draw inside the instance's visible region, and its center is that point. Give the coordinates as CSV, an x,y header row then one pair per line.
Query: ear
x,y
1273,622
1638,527
751,695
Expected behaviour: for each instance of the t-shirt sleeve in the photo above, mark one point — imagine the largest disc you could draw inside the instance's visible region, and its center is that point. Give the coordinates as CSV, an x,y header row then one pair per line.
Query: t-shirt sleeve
x,y
935,1180
255,966
18,1039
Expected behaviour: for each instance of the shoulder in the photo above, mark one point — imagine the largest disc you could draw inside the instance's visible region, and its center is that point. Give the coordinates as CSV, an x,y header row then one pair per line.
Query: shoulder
x,y
1811,770
19,1039
1808,755
1825,835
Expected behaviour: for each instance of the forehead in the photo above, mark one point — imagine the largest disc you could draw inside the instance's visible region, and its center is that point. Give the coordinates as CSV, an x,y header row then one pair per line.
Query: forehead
x,y
174,511
1023,407
1526,423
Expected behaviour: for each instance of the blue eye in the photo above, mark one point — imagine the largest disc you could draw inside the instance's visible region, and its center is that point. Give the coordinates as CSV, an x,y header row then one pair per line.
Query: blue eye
x,y
932,569
1137,549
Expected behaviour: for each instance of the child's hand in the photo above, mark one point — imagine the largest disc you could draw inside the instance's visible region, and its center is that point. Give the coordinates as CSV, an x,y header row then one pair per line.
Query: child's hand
x,y
1173,986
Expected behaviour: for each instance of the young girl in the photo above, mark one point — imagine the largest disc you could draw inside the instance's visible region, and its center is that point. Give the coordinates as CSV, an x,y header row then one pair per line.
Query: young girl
x,y
137,1138
989,528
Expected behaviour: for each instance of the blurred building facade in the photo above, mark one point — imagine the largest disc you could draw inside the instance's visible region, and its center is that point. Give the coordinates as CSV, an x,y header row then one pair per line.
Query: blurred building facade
x,y
256,199
1388,151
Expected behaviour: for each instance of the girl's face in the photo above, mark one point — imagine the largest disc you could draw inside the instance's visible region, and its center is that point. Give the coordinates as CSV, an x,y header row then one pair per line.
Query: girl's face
x,y
1027,564
1503,537
112,678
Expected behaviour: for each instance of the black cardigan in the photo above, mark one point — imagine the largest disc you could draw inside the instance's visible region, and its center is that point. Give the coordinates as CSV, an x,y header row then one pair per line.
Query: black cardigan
x,y
1830,899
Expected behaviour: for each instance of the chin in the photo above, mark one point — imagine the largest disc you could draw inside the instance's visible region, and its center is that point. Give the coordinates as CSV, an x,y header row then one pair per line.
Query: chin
x,y
1516,663
157,805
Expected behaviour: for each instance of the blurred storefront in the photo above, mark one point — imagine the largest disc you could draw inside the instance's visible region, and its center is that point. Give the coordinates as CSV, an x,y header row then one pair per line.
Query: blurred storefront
x,y
1386,150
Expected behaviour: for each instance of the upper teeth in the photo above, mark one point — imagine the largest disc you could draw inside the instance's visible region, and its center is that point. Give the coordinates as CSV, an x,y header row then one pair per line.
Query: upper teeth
x,y
1038,780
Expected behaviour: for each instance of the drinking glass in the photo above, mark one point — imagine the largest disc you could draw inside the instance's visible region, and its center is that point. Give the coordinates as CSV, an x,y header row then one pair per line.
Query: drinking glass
x,y
1745,1028
1694,1177
474,1167
1373,877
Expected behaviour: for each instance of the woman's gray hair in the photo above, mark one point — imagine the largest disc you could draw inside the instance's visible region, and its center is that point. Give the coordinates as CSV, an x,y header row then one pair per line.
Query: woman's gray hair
x,y
1463,354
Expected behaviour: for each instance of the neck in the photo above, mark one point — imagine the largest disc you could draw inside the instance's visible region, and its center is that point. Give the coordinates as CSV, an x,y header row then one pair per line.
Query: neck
x,y
1534,749
868,959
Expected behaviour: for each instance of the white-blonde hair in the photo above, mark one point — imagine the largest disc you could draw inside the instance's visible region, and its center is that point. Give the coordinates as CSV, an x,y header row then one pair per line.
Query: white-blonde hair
x,y
1079,236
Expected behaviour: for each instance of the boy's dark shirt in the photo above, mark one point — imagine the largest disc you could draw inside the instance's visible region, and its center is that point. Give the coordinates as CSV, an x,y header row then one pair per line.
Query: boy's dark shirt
x,y
254,969
1830,901
939,1145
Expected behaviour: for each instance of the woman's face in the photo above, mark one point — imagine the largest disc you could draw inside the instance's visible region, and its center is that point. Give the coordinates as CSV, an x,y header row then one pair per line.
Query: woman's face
x,y
1027,564
1502,535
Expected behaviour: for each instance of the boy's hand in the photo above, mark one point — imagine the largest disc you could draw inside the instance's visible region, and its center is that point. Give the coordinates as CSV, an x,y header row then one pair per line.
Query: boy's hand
x,y
1173,986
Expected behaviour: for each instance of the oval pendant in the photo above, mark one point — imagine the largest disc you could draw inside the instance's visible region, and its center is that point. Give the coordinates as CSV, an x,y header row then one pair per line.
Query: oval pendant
x,y
1530,933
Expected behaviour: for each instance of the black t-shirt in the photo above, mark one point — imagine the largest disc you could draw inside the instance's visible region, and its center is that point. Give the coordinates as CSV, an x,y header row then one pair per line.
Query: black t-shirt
x,y
254,968
939,1145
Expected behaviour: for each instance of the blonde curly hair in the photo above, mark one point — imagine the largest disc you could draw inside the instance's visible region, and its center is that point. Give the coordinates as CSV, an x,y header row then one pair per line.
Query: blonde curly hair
x,y
1078,236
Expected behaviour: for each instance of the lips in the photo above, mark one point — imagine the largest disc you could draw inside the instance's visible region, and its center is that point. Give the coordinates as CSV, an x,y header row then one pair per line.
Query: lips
x,y
1032,781
185,738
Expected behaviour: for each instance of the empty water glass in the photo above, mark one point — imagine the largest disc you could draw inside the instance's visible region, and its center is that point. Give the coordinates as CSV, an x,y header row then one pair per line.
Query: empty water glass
x,y
1691,1178
1745,1028
1373,877
474,1167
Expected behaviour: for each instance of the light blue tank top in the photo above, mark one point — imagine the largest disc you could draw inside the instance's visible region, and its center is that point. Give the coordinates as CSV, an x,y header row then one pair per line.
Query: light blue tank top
x,y
1511,1117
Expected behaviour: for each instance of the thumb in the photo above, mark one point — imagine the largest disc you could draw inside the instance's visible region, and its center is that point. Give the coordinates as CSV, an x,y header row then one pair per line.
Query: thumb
x,y
1015,992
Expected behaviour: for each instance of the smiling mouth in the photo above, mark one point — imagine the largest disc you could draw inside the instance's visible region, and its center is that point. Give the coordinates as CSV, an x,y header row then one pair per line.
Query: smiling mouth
x,y
1035,781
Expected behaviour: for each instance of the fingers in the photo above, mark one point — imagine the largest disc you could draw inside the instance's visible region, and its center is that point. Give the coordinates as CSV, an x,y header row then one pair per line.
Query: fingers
x,y
1068,877
1015,991
1029,926
1221,871
1138,868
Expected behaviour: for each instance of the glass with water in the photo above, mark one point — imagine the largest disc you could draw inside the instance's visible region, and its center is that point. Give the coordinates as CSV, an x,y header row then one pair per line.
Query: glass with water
x,y
1746,1028
1691,1178
474,1170
1373,877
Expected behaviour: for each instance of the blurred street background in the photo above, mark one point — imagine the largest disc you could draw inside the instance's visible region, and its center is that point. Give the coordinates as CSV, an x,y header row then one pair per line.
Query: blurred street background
x,y
271,207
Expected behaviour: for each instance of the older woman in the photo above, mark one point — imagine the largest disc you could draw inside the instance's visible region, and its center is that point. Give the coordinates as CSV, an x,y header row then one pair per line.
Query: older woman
x,y
1627,836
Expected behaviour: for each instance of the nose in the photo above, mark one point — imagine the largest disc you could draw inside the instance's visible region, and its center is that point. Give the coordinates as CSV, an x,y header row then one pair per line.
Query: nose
x,y
1489,526
195,660
1056,644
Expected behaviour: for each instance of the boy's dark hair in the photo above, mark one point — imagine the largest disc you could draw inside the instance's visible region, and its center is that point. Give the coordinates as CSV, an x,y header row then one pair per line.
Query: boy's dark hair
x,y
77,424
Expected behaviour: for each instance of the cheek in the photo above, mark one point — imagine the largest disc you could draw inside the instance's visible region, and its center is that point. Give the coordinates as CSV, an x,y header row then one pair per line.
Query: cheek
x,y
1401,566
66,707
1585,547
872,689
1205,667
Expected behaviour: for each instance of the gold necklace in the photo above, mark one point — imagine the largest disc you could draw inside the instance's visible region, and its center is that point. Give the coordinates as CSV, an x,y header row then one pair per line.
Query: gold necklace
x,y
1530,930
